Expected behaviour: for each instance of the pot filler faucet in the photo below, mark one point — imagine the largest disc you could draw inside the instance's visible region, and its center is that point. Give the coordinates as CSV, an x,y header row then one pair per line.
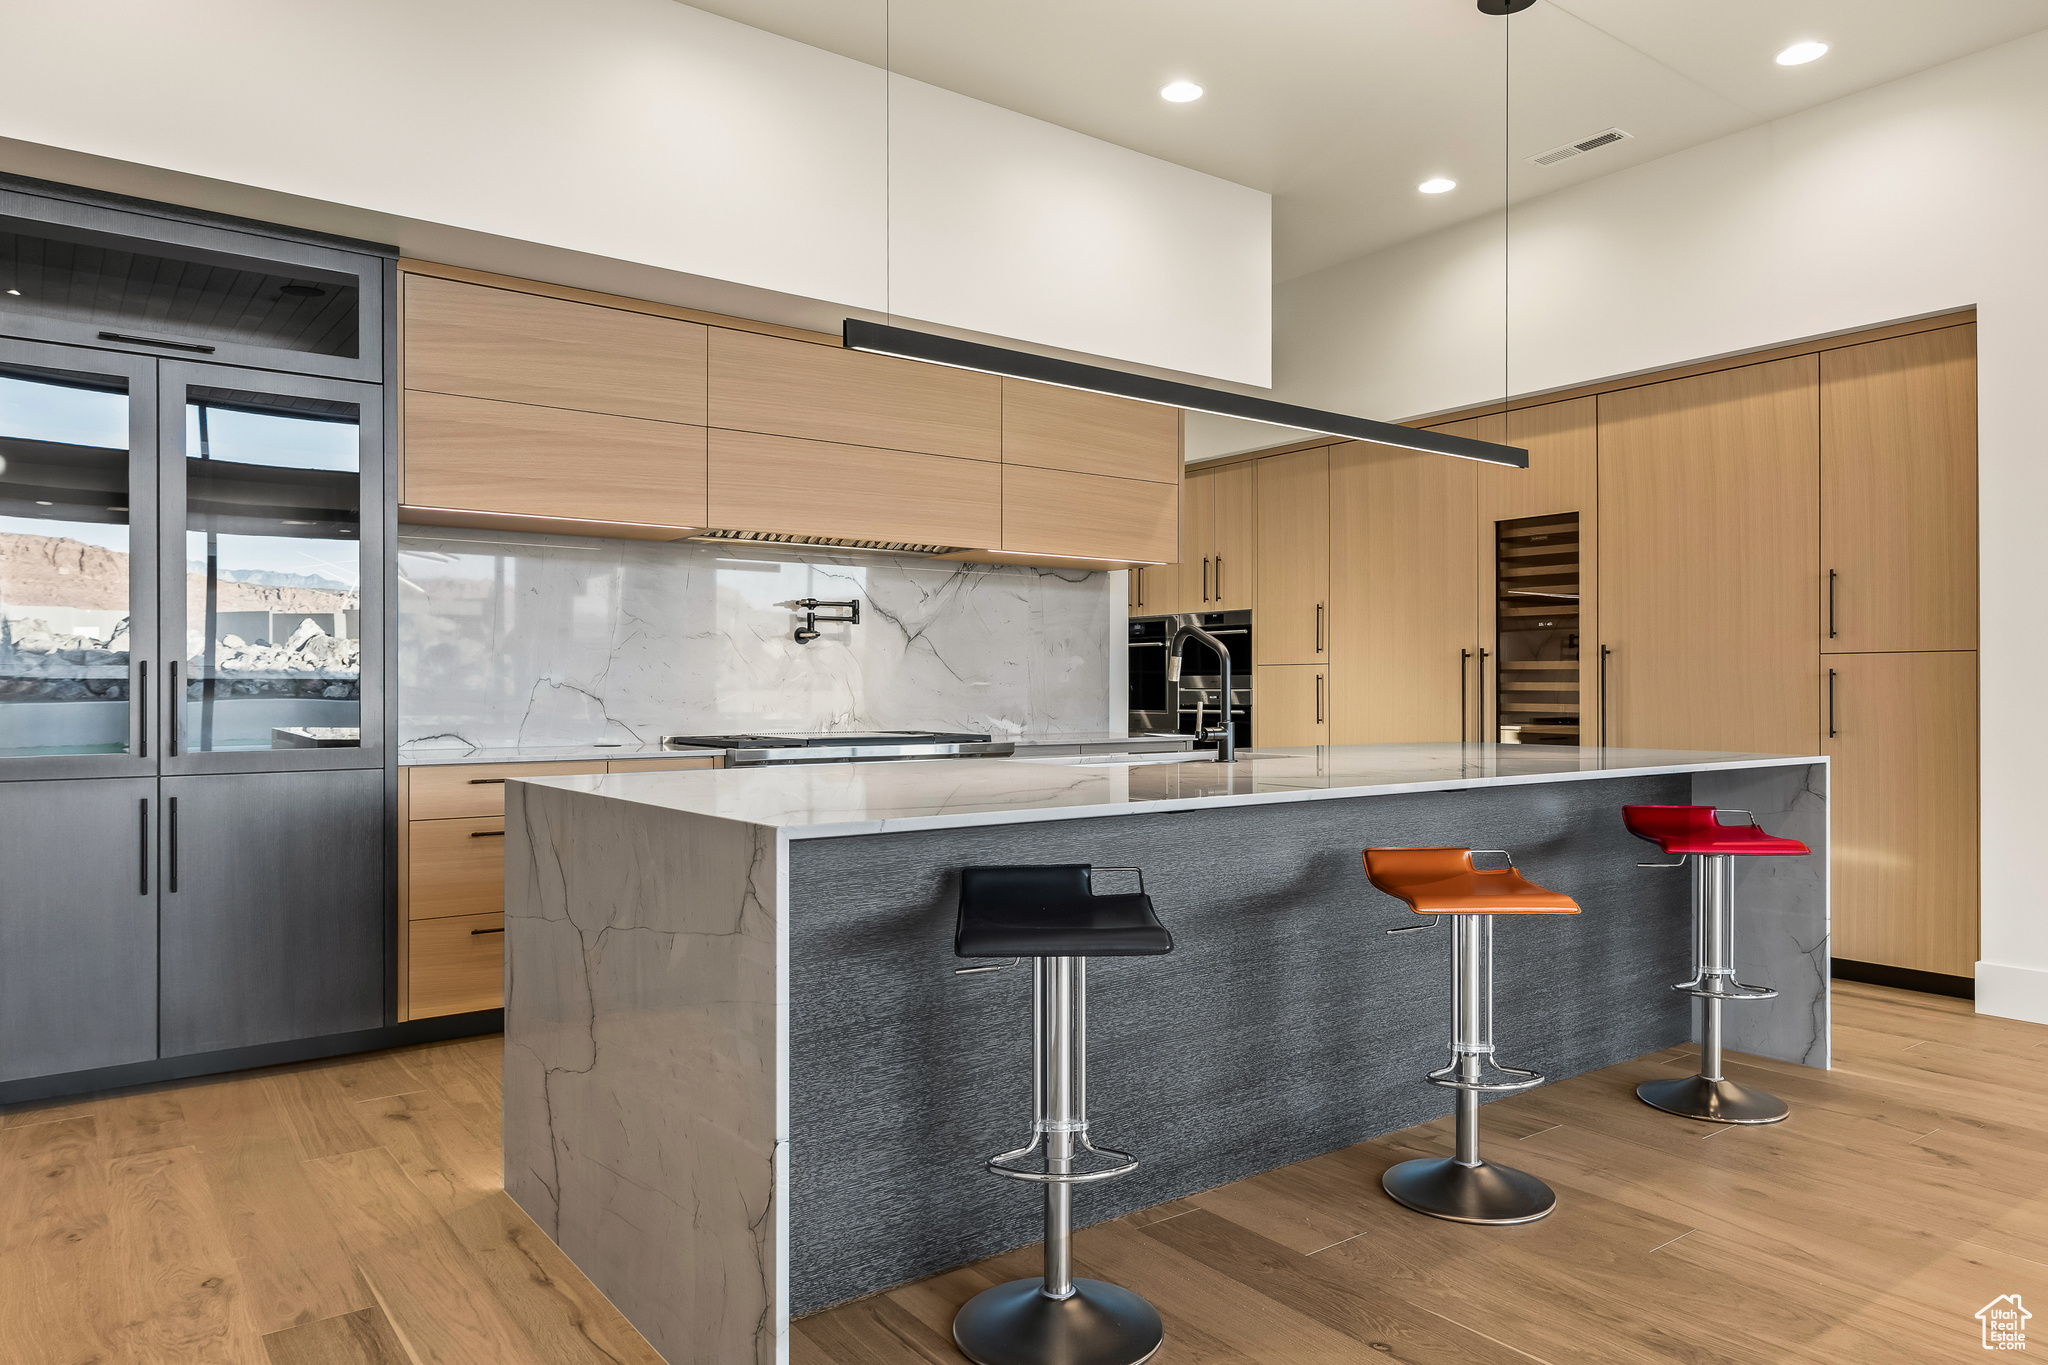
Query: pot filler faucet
x,y
1224,734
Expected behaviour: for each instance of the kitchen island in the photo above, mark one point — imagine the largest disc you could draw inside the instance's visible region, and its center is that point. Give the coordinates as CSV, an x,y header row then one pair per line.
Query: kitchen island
x,y
743,1083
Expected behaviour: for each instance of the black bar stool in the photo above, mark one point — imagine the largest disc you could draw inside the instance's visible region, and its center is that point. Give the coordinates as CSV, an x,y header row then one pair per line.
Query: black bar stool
x,y
1052,915
1443,881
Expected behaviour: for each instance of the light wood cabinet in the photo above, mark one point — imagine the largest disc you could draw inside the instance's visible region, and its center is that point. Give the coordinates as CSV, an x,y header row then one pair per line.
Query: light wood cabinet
x,y
458,964
456,867
512,460
1292,582
483,342
1898,501
1218,539
1049,427
1290,705
825,393
816,488
1900,731
1062,515
454,791
1404,595
1709,549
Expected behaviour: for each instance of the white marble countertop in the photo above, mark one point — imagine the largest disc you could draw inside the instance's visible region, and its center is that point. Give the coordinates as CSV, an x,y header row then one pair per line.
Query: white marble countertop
x,y
828,800
568,753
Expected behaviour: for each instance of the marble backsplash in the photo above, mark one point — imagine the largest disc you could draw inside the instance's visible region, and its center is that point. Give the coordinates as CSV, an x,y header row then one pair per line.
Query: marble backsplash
x,y
509,639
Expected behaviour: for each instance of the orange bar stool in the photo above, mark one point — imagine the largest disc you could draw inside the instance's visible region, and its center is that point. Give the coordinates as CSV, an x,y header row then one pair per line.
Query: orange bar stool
x,y
1696,835
1443,881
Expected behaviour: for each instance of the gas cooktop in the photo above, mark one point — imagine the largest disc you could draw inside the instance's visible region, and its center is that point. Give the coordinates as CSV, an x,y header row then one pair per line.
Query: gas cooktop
x,y
843,746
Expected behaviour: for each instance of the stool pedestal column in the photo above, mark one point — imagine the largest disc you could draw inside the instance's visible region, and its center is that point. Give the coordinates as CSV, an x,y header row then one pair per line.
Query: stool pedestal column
x,y
1465,1188
1059,1319
1710,1096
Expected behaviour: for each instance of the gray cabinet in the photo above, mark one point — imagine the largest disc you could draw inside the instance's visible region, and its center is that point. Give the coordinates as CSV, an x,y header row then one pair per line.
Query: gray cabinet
x,y
273,907
78,931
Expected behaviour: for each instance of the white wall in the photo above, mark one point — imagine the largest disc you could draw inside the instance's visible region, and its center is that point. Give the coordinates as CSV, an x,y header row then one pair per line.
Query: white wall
x,y
646,131
1915,197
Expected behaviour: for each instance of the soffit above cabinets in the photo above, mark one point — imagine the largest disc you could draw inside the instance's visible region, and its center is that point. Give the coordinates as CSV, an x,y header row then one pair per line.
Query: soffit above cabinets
x,y
1340,107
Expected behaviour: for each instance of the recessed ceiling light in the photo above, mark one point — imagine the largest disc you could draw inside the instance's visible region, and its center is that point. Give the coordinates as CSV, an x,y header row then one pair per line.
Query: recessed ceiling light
x,y
1180,92
1439,185
1799,54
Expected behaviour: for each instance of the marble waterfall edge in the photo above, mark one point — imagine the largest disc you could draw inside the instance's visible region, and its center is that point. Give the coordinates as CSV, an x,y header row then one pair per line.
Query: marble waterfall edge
x,y
510,639
643,1032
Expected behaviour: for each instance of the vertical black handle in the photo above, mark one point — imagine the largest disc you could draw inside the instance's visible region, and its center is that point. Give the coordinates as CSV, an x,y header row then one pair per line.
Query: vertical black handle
x,y
1319,699
171,880
1464,700
171,713
1140,572
139,698
1832,731
1604,652
1831,604
1219,578
1482,697
142,889
1205,578
1319,627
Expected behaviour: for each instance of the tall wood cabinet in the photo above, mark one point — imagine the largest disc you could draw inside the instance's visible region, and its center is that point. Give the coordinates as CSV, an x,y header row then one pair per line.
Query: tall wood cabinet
x,y
1292,581
1709,535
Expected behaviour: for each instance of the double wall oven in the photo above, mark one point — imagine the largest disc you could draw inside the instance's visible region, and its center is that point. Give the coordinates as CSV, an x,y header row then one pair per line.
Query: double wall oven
x,y
1160,707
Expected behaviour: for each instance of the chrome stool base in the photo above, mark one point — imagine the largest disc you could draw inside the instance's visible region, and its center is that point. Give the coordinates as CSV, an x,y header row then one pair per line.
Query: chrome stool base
x,y
1098,1324
1720,1101
1484,1193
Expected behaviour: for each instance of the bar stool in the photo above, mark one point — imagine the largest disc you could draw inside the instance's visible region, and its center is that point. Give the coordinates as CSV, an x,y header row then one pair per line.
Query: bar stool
x,y
1696,834
1443,881
1052,915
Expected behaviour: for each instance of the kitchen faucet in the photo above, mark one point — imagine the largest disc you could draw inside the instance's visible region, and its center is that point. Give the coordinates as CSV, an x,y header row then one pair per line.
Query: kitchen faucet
x,y
1224,734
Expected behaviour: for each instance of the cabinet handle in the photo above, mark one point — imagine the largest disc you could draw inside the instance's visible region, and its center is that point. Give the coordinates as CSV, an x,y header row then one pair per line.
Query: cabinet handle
x,y
1482,697
171,719
474,932
1832,731
1219,578
139,698
171,880
1831,604
1319,699
1141,587
1319,627
192,346
1464,701
1205,578
486,781
1604,652
143,889
487,834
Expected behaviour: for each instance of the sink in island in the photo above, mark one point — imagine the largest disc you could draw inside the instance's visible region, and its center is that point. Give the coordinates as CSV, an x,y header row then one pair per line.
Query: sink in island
x,y
742,1082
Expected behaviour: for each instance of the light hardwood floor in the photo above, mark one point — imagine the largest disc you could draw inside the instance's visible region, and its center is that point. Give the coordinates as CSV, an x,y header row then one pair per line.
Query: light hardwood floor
x,y
349,1213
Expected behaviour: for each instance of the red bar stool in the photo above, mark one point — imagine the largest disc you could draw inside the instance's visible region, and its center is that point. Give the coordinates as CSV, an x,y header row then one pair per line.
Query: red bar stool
x,y
1443,881
1696,834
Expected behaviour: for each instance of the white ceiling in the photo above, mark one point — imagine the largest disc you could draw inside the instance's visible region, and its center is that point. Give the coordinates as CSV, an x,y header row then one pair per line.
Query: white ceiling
x,y
1340,108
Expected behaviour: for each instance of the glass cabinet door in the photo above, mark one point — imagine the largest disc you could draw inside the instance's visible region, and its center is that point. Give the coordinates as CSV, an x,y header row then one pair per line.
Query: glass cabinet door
x,y
77,543
268,592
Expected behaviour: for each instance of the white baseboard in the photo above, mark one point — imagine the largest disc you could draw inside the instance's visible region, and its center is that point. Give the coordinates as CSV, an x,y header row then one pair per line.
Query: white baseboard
x,y
2012,992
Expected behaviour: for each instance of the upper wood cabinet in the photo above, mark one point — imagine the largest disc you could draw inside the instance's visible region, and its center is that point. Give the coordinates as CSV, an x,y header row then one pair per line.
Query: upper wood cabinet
x,y
1404,595
1900,730
484,342
502,462
1898,480
1292,583
1219,533
818,488
1089,433
826,393
1067,516
1709,549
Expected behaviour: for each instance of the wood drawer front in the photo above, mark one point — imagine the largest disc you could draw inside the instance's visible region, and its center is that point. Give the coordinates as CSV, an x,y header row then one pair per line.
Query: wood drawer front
x,y
662,765
455,867
822,393
481,455
1089,433
454,968
814,488
522,348
444,792
1087,516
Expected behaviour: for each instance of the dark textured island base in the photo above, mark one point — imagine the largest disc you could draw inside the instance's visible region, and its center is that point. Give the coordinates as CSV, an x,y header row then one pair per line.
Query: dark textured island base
x,y
1284,1024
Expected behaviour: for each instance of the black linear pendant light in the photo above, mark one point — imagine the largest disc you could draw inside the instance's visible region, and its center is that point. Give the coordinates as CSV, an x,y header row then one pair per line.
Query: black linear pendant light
x,y
969,355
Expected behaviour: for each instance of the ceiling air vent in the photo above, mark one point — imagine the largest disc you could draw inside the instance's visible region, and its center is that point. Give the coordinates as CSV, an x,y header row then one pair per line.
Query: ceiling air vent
x,y
1572,149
